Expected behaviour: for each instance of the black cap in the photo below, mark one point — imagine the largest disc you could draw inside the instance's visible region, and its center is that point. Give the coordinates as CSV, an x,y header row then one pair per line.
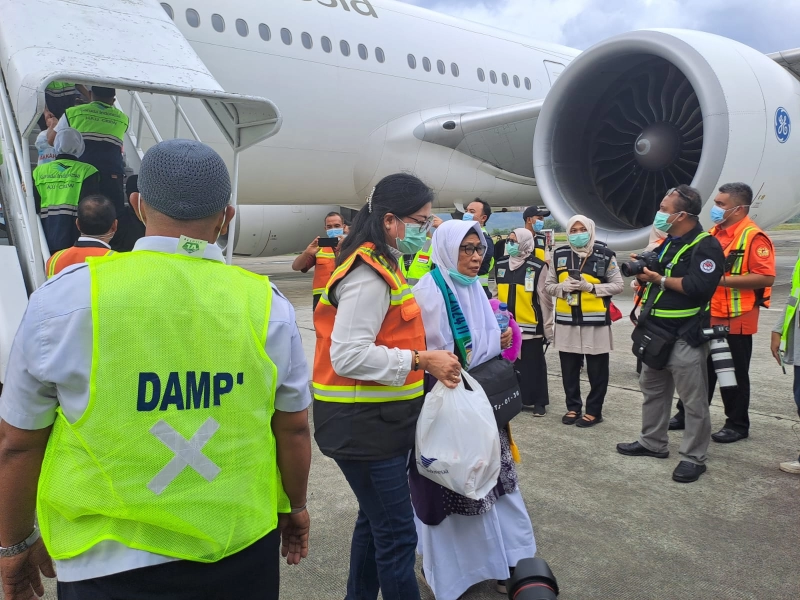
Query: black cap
x,y
535,211
104,92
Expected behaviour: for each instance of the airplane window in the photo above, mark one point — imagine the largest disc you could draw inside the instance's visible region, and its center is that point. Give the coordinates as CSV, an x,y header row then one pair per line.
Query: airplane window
x,y
168,9
192,17
440,66
516,81
412,61
454,69
426,63
379,55
362,52
527,83
344,47
493,76
505,79
241,27
218,23
308,43
481,75
286,36
326,44
264,32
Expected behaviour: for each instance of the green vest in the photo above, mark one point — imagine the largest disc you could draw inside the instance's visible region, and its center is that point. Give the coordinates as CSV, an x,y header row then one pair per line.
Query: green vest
x,y
175,453
791,305
61,88
59,183
98,122
420,266
484,279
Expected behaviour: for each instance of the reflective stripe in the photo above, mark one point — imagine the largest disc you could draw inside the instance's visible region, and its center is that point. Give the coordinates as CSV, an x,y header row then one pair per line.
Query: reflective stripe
x,y
367,393
674,314
791,306
670,313
61,209
187,454
51,268
97,137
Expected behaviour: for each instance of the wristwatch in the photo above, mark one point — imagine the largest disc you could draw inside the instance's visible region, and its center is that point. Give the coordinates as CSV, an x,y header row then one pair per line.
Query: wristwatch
x,y
663,283
22,546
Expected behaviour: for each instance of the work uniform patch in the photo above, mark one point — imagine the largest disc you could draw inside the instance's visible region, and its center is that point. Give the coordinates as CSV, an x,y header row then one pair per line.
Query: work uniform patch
x,y
501,272
763,251
423,259
562,262
708,266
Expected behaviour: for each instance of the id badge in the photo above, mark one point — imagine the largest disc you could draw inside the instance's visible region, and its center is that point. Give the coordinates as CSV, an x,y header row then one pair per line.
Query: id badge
x,y
572,299
529,282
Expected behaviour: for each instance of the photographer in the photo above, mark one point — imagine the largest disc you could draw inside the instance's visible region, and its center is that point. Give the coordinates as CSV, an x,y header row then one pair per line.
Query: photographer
x,y
669,336
321,258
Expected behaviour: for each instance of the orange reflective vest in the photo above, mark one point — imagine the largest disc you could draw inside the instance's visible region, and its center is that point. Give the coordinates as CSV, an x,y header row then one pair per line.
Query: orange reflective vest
x,y
728,303
74,255
324,267
402,328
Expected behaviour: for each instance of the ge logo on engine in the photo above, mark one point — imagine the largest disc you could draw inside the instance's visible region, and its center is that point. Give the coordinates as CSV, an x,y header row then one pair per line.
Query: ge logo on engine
x,y
783,125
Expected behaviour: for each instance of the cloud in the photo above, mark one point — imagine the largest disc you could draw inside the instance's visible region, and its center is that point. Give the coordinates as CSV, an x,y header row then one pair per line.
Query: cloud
x,y
762,24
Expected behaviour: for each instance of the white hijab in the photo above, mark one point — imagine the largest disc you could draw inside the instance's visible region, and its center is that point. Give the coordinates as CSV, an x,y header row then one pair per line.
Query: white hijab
x,y
476,308
69,141
584,251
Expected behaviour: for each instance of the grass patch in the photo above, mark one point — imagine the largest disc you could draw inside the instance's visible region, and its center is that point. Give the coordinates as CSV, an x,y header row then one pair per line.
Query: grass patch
x,y
787,227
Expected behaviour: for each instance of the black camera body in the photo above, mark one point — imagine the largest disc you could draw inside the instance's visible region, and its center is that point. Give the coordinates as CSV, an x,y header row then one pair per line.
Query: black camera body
x,y
645,260
716,332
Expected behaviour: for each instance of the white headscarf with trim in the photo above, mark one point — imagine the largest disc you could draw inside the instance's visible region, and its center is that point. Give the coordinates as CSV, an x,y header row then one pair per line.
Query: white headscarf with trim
x,y
474,304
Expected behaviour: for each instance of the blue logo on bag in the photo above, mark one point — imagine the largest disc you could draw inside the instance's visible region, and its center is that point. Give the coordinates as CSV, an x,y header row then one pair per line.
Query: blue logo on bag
x,y
783,125
426,462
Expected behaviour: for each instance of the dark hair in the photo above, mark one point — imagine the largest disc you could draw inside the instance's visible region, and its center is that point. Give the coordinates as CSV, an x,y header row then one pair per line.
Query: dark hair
x,y
400,194
131,185
334,214
688,200
96,215
741,192
487,209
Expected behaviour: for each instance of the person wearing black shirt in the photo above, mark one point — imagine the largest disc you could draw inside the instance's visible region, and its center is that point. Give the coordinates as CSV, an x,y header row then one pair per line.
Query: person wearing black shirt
x,y
675,303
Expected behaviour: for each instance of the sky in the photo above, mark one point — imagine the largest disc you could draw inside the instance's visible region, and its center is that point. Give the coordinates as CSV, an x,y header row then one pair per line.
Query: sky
x,y
763,24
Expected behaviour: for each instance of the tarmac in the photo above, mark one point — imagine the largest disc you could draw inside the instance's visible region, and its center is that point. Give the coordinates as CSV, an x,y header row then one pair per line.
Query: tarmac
x,y
612,526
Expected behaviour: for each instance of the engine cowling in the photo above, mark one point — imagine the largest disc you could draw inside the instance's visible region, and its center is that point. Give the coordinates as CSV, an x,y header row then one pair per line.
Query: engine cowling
x,y
645,111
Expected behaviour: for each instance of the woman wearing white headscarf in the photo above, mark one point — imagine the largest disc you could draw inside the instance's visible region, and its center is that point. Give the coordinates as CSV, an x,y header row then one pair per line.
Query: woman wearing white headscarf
x,y
464,541
583,277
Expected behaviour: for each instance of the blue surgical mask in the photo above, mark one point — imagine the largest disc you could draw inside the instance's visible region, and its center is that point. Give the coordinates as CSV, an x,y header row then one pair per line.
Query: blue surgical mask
x,y
512,249
332,233
660,221
413,241
461,279
717,214
579,240
538,226
468,217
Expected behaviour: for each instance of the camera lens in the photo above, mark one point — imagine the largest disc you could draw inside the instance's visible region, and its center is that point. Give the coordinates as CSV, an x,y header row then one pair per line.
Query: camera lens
x,y
634,267
532,580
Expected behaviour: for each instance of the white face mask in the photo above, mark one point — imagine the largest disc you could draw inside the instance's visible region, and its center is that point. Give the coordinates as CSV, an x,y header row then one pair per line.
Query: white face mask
x,y
224,216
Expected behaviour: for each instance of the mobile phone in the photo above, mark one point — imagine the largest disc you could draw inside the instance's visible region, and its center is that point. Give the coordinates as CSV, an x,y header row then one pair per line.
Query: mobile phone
x,y
326,242
574,273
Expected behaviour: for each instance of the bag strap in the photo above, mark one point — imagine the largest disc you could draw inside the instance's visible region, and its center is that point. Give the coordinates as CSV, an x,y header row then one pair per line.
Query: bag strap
x,y
462,338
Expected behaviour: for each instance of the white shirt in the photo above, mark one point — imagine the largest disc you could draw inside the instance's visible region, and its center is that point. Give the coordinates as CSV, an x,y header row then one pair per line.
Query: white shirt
x,y
86,238
50,366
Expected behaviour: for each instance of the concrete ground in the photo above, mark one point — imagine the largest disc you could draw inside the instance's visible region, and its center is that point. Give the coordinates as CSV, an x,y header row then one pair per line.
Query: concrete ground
x,y
613,526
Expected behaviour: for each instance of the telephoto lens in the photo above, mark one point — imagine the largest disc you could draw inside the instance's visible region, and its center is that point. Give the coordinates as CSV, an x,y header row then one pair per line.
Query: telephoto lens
x,y
722,360
532,580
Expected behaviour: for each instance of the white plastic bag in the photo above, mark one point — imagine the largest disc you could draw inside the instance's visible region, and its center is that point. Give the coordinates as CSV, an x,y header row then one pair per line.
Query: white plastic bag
x,y
457,442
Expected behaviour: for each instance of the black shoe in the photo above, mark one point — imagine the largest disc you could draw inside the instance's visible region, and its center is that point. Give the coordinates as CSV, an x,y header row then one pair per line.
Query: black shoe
x,y
636,449
727,436
584,422
539,411
676,424
687,472
570,417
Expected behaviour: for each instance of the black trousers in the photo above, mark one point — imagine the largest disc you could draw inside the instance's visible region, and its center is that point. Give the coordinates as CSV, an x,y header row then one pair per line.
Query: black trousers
x,y
531,368
736,400
252,574
597,369
129,228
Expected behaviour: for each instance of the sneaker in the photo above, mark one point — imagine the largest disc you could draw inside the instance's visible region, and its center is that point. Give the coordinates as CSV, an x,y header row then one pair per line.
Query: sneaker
x,y
791,467
539,411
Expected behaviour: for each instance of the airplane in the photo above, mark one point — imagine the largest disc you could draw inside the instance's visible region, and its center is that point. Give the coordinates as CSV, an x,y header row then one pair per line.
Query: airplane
x,y
371,87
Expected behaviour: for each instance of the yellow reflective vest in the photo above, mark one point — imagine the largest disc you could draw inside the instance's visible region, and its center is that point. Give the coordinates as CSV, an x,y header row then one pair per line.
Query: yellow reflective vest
x,y
585,308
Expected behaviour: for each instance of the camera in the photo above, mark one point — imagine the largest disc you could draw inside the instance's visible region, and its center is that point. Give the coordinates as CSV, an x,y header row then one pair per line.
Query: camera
x,y
532,580
721,356
649,260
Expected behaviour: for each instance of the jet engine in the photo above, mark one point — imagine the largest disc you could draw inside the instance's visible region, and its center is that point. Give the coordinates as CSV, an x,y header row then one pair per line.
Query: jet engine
x,y
646,111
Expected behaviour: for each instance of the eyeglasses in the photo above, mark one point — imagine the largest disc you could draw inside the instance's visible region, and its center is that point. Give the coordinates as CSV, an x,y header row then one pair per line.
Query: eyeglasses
x,y
425,225
469,249
677,191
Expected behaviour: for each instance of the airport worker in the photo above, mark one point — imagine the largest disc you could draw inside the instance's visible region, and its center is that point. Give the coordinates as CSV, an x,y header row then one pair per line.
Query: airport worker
x,y
97,223
534,217
59,186
744,288
480,211
174,464
669,336
521,280
103,127
416,266
786,350
368,381
583,277
321,259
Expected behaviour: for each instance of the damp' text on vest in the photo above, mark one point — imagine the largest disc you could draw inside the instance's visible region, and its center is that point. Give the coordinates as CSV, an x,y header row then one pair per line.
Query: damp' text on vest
x,y
184,391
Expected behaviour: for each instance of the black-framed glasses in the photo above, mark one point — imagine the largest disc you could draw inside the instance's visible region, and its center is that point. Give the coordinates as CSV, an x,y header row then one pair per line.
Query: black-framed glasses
x,y
470,249
425,225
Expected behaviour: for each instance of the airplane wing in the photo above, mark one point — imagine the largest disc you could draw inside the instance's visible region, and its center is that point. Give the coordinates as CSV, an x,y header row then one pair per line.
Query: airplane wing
x,y
789,60
502,137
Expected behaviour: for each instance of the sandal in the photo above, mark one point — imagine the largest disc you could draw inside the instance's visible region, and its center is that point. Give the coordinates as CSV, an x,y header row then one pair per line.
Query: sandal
x,y
589,421
570,417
